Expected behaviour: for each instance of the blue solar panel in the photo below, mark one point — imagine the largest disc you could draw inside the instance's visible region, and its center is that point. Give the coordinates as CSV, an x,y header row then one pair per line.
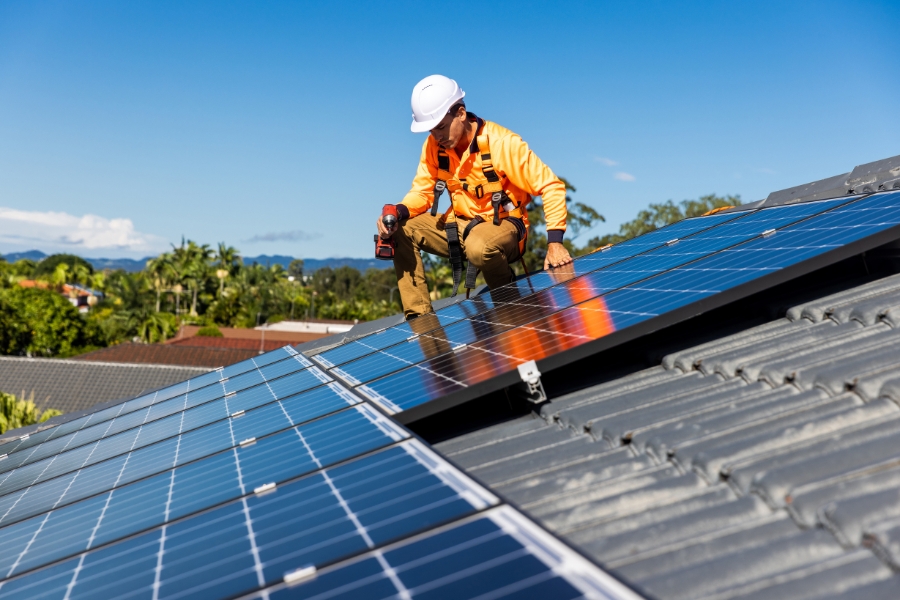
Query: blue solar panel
x,y
193,487
515,291
145,435
238,546
189,393
559,297
495,555
630,302
172,452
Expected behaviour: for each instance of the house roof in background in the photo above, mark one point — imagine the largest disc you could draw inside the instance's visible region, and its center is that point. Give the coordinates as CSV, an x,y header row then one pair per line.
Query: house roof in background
x,y
74,385
175,355
761,464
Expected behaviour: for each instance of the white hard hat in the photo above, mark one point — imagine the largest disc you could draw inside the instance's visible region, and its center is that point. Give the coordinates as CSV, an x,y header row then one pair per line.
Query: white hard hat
x,y
431,99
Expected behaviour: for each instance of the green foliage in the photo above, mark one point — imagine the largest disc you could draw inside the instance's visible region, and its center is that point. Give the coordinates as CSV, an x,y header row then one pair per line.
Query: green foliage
x,y
18,412
659,215
48,265
42,323
209,331
196,284
295,269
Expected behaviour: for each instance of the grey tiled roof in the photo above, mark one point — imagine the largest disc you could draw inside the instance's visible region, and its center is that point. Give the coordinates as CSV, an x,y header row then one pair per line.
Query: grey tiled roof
x,y
765,464
74,385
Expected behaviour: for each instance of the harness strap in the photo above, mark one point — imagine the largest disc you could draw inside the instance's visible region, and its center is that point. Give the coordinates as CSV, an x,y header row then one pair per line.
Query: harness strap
x,y
476,221
440,184
453,245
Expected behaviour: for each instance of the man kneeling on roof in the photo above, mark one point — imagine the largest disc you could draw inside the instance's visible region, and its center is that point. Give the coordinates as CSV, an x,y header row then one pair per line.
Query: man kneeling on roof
x,y
490,175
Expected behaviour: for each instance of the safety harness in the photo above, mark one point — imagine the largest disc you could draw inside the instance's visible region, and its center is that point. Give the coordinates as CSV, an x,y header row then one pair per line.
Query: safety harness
x,y
504,207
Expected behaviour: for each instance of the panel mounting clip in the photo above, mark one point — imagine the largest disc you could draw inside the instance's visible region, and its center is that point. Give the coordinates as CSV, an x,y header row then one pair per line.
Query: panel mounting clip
x,y
531,387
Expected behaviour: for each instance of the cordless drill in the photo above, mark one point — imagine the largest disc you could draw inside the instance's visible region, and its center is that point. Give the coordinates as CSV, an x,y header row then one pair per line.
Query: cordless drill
x,y
384,249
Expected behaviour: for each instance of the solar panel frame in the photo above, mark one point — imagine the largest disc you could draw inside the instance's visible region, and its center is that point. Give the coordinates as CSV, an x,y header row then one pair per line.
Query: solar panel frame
x,y
400,499
467,308
150,399
237,468
456,392
543,304
172,453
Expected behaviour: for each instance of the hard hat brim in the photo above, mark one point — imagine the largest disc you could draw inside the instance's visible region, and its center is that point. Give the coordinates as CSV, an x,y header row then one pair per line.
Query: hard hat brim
x,y
424,126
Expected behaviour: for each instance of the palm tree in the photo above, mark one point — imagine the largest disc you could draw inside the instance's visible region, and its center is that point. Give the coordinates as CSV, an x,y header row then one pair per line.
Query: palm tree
x,y
161,271
227,261
192,265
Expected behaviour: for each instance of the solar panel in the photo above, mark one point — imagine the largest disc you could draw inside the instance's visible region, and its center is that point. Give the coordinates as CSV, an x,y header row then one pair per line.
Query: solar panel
x,y
655,257
178,450
145,435
209,385
301,525
563,295
197,485
212,491
495,555
616,298
484,302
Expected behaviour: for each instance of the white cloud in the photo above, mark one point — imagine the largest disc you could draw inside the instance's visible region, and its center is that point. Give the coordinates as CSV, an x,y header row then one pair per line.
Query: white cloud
x,y
88,232
622,176
607,162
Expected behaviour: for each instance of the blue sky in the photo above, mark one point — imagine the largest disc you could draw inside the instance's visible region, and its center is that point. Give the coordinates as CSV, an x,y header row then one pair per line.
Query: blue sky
x,y
283,127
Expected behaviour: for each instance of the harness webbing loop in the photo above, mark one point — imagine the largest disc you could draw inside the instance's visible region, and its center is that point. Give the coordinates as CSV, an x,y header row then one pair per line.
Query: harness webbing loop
x,y
455,251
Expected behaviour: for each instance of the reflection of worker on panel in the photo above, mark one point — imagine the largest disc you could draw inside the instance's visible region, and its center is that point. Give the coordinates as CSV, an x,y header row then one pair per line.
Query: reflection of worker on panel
x,y
490,175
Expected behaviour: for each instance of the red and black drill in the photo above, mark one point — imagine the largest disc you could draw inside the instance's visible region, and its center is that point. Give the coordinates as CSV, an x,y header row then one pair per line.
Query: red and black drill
x,y
384,249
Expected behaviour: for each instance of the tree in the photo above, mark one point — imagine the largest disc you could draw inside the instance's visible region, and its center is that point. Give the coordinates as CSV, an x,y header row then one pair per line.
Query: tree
x,y
660,215
161,271
47,266
52,325
295,269
18,412
227,261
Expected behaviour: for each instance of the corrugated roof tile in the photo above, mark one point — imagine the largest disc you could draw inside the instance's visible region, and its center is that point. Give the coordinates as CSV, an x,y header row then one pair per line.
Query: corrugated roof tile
x,y
839,575
723,573
821,308
669,527
850,518
806,500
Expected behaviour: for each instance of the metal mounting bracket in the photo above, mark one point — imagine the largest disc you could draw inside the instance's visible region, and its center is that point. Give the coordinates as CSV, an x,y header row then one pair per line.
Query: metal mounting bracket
x,y
531,388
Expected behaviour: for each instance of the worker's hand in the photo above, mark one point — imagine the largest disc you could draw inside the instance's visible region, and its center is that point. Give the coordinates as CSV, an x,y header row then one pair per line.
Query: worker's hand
x,y
383,231
557,256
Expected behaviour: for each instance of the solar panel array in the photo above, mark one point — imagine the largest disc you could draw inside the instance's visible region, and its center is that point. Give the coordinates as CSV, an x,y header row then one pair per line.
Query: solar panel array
x,y
250,480
464,350
280,477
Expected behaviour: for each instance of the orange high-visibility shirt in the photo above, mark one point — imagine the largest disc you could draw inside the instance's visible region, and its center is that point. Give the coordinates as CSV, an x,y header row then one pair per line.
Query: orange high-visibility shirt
x,y
522,175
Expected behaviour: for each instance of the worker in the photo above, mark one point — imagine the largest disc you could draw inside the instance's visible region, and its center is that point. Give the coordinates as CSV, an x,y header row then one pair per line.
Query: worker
x,y
490,175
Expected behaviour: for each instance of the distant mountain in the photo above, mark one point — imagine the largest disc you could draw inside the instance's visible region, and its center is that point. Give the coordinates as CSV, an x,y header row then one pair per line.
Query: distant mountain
x,y
132,265
314,264
34,255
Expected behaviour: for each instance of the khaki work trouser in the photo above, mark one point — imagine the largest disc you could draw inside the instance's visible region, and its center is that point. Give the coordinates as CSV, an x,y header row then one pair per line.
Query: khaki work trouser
x,y
488,247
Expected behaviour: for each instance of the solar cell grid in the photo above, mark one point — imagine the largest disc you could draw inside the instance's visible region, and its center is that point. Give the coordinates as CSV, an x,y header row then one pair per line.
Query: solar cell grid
x,y
483,303
191,387
574,291
314,520
599,317
494,555
179,450
194,487
507,294
142,428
